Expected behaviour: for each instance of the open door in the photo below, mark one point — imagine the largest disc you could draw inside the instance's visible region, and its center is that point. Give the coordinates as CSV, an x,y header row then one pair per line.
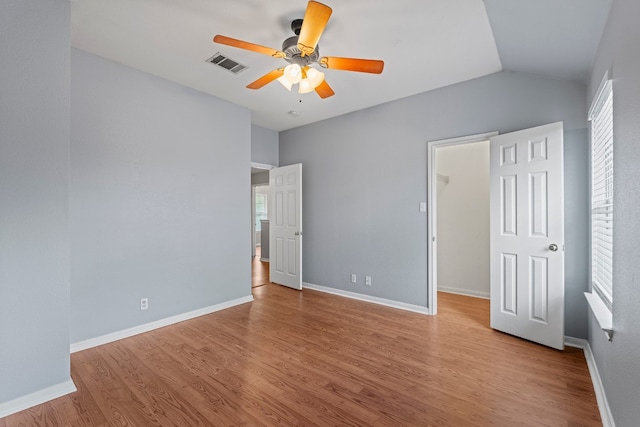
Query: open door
x,y
527,234
285,243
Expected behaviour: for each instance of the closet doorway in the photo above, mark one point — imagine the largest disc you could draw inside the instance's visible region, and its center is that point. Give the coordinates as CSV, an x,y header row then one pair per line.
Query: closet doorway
x,y
526,231
459,217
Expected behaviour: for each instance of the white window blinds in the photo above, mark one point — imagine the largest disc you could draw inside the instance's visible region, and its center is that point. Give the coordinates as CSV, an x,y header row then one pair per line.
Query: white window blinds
x,y
601,116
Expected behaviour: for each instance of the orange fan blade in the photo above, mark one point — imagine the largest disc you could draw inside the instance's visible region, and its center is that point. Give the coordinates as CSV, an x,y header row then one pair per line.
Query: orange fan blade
x,y
313,23
248,46
324,90
266,79
373,66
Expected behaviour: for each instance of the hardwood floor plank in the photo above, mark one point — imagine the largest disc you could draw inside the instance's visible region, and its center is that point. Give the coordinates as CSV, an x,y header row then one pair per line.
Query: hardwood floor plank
x,y
309,358
161,399
86,411
119,404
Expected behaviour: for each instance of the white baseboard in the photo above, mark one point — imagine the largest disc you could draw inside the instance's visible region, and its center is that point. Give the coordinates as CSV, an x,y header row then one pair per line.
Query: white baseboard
x,y
36,398
126,333
465,292
368,298
264,259
598,387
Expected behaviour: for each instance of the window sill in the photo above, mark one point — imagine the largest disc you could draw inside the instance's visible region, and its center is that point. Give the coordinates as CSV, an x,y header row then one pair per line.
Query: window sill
x,y
602,314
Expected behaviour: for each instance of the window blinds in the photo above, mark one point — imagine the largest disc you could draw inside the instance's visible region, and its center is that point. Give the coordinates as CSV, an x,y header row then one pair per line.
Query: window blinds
x,y
602,194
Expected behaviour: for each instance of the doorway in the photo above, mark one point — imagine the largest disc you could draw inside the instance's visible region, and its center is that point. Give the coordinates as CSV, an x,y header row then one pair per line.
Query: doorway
x,y
259,213
282,204
260,261
526,204
453,180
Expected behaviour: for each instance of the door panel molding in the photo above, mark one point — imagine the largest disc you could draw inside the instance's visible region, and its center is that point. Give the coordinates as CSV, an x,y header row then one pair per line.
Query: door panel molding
x,y
286,226
539,216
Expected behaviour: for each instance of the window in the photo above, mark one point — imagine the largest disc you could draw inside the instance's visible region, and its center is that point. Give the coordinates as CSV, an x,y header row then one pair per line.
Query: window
x,y
601,116
261,209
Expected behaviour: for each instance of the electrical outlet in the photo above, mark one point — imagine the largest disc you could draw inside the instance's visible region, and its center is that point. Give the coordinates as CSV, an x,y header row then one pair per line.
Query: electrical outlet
x,y
144,303
353,278
367,280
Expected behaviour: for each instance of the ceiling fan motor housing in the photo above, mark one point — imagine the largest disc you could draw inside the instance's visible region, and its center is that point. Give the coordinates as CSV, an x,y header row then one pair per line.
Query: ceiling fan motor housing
x,y
290,48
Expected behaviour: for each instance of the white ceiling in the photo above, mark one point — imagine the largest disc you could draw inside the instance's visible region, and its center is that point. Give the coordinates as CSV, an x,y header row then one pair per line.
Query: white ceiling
x,y
425,45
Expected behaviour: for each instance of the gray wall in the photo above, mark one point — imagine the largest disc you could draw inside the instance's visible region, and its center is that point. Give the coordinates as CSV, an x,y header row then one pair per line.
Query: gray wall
x,y
265,150
34,191
158,206
264,146
576,231
366,172
619,360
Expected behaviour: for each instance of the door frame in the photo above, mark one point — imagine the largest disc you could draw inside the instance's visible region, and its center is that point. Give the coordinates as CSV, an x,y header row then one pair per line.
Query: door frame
x,y
432,210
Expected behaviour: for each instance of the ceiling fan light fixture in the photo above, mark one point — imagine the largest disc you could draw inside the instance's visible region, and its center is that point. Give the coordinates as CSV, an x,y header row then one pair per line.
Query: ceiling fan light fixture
x,y
286,83
315,77
293,73
305,86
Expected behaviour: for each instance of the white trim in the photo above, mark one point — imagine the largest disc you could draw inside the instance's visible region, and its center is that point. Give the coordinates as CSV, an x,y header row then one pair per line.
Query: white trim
x,y
126,333
601,312
253,221
264,166
598,387
465,292
432,180
367,298
37,398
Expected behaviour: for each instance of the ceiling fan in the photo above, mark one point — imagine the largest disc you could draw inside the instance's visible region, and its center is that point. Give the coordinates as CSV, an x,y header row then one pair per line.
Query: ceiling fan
x,y
301,51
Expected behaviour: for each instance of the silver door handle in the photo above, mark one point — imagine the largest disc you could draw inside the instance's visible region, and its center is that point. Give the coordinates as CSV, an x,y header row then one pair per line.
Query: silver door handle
x,y
298,233
553,247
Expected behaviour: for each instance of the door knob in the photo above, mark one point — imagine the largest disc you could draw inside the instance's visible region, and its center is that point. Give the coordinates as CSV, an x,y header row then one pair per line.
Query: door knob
x,y
553,247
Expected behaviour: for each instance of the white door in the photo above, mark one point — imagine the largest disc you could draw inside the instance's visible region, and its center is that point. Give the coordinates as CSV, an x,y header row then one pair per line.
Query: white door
x,y
527,234
285,244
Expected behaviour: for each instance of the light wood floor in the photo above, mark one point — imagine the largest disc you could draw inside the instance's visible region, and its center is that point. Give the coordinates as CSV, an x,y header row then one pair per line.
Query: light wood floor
x,y
313,359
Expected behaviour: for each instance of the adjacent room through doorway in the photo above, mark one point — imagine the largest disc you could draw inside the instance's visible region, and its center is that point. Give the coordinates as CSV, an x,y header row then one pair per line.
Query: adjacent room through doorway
x,y
260,230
